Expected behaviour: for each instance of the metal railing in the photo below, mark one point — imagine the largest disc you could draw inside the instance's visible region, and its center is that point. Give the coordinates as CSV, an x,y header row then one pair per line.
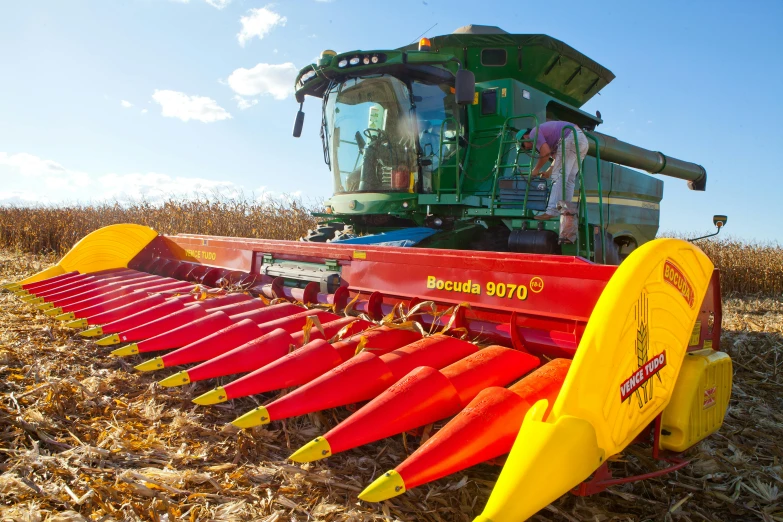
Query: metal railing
x,y
457,165
583,241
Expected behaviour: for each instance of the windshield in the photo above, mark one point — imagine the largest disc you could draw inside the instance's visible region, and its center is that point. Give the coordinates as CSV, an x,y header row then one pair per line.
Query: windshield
x,y
373,134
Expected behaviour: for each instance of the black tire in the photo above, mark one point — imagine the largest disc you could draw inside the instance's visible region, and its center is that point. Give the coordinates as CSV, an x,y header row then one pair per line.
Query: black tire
x,y
323,233
345,233
493,239
612,250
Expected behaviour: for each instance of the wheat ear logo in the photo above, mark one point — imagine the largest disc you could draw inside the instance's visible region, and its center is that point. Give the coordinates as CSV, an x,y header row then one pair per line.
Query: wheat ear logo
x,y
640,383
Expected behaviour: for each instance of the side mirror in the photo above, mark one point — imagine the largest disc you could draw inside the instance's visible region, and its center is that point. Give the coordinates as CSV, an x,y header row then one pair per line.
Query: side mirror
x,y
298,123
465,87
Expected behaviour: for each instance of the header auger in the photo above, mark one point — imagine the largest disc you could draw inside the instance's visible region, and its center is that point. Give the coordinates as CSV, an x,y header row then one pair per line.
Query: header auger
x,y
557,361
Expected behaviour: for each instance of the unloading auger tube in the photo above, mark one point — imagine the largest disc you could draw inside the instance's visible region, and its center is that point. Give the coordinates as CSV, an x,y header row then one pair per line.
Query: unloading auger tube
x,y
653,162
576,360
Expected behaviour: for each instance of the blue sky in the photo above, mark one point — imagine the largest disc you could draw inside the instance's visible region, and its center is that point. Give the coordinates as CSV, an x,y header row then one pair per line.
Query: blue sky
x,y
110,98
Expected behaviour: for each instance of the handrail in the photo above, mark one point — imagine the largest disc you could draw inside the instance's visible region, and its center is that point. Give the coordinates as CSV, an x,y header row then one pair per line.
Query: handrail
x,y
600,193
457,169
498,163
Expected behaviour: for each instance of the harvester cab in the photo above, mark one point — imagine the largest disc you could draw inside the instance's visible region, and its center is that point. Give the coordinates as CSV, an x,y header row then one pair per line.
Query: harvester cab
x,y
423,138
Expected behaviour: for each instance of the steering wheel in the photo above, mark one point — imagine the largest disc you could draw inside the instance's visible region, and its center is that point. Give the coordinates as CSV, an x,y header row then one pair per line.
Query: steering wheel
x,y
376,135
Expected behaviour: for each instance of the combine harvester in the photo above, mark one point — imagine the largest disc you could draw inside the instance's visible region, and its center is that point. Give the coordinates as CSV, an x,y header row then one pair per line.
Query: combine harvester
x,y
534,348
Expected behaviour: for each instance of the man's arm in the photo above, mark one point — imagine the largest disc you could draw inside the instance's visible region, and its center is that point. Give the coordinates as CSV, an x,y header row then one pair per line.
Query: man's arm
x,y
544,152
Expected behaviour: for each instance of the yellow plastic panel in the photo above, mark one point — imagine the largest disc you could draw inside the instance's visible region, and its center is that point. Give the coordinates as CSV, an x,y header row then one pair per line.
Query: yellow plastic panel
x,y
547,460
622,377
108,247
699,402
643,318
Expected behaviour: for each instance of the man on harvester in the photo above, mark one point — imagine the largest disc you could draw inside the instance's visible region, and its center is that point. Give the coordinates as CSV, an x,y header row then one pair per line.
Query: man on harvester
x,y
547,138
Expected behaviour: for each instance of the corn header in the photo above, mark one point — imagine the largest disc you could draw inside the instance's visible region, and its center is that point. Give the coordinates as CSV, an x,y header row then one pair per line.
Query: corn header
x,y
556,361
527,345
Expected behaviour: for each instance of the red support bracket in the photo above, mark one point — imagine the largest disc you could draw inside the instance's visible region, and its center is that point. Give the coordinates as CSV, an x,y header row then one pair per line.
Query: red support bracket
x,y
602,478
516,339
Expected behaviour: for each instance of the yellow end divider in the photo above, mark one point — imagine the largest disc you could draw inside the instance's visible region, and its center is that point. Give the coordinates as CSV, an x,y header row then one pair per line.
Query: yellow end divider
x,y
109,247
621,378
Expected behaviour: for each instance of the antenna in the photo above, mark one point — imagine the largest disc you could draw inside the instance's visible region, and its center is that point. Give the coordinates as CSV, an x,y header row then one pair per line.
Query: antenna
x,y
422,34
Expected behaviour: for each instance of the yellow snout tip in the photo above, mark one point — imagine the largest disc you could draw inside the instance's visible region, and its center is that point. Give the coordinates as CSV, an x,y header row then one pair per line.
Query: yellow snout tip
x,y
78,323
95,331
151,365
178,379
67,316
256,417
388,485
316,449
131,349
108,340
45,306
215,396
53,312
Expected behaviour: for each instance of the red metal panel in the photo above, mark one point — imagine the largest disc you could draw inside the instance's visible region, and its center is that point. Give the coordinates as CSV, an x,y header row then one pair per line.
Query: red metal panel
x,y
549,297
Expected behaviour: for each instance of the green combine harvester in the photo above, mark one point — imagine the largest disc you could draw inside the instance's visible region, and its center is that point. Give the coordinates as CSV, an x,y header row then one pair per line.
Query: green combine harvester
x,y
423,146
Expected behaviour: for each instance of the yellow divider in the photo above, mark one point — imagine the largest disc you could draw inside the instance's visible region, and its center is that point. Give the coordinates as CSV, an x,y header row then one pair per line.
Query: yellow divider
x,y
108,247
621,378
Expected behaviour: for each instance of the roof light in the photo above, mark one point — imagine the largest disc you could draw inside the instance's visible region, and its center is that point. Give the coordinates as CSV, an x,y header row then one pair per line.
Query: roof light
x,y
342,63
374,58
354,60
308,76
366,60
424,44
326,57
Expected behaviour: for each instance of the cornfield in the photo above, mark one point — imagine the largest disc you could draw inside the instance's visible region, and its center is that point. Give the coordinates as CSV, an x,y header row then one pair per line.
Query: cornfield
x,y
746,268
55,229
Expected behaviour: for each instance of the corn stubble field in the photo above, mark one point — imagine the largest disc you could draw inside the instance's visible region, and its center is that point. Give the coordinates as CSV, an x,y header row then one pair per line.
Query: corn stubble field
x,y
83,436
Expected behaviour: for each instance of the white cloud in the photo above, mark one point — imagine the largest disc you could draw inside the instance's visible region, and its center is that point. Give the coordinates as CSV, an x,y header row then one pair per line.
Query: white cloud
x,y
49,174
263,195
176,104
22,198
30,180
276,80
257,24
219,4
144,111
126,104
244,103
154,186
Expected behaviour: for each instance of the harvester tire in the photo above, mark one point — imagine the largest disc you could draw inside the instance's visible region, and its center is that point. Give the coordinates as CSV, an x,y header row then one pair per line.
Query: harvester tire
x,y
345,233
323,233
612,250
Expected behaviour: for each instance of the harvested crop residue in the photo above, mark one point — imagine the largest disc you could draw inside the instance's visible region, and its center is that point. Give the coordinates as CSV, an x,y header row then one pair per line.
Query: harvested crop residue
x,y
84,436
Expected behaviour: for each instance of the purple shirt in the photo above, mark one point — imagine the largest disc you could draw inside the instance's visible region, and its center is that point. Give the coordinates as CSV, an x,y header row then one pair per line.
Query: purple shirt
x,y
549,133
